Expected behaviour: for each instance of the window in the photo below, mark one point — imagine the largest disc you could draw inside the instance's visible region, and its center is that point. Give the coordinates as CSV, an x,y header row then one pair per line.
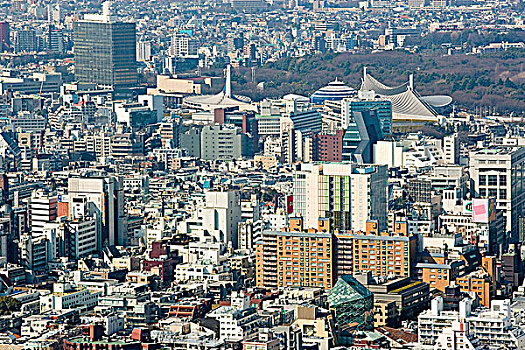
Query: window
x,y
482,192
482,180
503,180
502,193
493,192
493,180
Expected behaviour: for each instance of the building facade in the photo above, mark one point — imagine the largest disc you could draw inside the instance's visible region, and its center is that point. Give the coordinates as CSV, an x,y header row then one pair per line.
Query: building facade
x,y
105,51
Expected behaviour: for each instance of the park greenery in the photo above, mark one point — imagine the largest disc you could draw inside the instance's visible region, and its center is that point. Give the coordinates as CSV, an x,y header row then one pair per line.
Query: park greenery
x,y
494,81
8,305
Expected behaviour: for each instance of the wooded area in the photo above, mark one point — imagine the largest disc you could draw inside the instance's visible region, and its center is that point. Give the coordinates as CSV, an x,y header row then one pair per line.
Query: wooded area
x,y
493,80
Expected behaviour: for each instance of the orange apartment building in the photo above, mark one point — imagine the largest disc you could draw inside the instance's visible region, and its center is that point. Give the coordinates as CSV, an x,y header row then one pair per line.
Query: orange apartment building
x,y
482,281
441,272
315,258
295,258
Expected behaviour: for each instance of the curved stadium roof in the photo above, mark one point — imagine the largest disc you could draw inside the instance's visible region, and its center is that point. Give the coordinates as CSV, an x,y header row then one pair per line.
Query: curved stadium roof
x,y
407,104
334,91
224,99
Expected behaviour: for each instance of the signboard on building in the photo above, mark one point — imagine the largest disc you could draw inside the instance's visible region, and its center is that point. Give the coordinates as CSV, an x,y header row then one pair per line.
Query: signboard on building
x,y
483,210
467,208
289,204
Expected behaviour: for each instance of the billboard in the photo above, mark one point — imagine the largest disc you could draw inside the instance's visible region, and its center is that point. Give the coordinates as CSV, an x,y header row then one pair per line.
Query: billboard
x,y
483,210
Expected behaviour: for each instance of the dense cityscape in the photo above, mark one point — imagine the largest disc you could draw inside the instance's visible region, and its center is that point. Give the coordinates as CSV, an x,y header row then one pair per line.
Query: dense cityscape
x,y
262,174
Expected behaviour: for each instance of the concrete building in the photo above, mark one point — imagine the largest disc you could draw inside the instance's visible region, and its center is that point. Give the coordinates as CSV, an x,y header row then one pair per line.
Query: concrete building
x,y
66,296
295,258
498,173
408,296
221,215
458,337
328,146
101,198
346,194
42,210
183,45
105,50
236,325
83,236
383,254
493,327
221,142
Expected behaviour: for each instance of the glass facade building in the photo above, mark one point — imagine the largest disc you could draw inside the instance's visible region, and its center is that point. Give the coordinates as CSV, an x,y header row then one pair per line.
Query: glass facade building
x,y
382,108
362,132
353,304
105,53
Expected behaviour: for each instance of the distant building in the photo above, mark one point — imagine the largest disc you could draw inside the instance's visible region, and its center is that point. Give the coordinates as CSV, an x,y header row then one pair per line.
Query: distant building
x,y
496,173
143,50
25,40
249,5
43,209
495,327
362,133
100,197
5,43
328,146
105,51
367,101
334,91
221,142
183,45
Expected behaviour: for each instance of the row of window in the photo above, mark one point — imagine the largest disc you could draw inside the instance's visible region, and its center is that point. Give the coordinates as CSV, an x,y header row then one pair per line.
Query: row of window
x,y
492,180
493,192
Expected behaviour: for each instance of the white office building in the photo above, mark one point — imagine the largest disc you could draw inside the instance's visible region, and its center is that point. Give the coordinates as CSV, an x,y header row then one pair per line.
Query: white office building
x,y
498,173
221,215
236,325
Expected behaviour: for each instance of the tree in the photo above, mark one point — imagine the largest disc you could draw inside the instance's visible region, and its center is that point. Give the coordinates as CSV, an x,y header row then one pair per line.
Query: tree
x,y
9,305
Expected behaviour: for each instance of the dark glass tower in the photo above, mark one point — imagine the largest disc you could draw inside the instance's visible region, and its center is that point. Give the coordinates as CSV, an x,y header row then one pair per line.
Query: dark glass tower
x,y
360,136
105,52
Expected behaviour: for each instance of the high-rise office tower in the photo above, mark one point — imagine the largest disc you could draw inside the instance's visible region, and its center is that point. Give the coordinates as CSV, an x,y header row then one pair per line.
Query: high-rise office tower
x,y
367,101
105,50
101,198
346,194
359,139
25,40
55,40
